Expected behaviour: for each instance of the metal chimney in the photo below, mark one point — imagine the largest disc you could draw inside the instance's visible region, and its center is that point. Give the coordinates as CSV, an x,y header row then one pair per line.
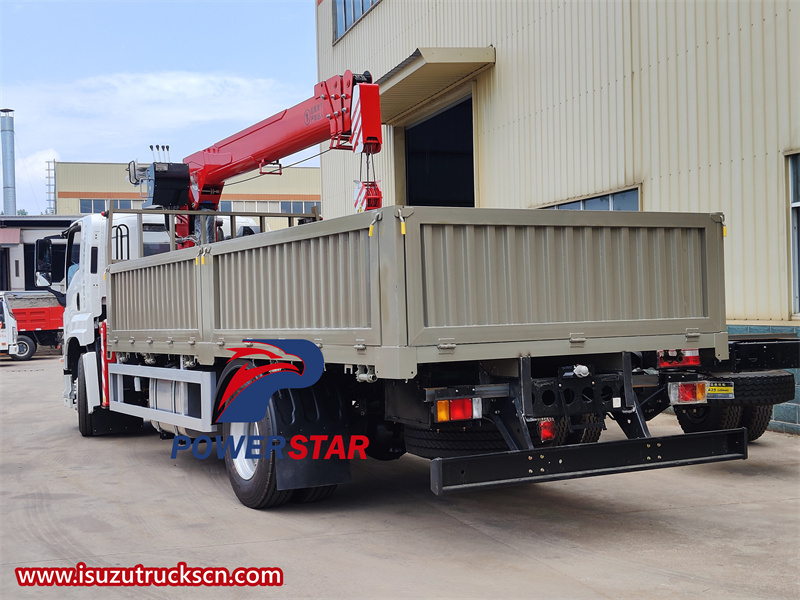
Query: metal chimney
x,y
7,139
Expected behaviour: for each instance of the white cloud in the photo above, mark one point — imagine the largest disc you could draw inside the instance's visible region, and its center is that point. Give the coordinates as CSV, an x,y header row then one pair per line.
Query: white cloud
x,y
92,118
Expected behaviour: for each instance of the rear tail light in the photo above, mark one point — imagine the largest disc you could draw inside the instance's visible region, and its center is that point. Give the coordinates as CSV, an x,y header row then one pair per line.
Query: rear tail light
x,y
443,411
678,358
699,392
547,430
687,393
460,409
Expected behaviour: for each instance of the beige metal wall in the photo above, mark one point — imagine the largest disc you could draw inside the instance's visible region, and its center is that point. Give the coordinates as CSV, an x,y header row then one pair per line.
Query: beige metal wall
x,y
75,181
716,104
696,103
296,183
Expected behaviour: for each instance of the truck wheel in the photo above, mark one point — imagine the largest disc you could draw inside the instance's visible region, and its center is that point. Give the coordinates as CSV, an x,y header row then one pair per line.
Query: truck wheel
x,y
253,479
757,388
708,418
315,494
756,419
27,347
84,417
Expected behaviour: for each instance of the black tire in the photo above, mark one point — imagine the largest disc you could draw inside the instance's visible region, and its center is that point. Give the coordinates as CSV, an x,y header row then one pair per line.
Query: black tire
x,y
84,417
253,480
315,494
758,388
27,348
445,444
756,419
702,418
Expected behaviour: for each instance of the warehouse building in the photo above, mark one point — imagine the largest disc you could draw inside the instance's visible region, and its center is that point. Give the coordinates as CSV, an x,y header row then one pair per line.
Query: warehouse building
x,y
598,106
85,188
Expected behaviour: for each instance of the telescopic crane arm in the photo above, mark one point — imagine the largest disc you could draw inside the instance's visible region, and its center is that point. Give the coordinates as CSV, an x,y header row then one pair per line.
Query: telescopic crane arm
x,y
345,110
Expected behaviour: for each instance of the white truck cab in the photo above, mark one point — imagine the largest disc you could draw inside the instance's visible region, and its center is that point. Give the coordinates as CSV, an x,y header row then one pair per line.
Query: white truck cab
x,y
132,236
8,329
85,301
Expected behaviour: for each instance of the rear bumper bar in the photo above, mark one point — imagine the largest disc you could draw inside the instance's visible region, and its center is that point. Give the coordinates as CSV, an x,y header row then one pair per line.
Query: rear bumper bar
x,y
585,460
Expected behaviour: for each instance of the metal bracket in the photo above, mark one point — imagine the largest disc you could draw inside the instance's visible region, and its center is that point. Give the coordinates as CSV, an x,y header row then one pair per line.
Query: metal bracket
x,y
446,345
632,421
577,340
509,418
275,165
526,385
692,334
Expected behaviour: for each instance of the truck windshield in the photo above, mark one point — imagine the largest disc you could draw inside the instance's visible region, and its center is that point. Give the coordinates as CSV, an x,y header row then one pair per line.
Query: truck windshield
x,y
155,239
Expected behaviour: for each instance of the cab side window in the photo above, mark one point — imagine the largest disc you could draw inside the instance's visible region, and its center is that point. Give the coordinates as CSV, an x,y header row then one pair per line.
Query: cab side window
x,y
73,254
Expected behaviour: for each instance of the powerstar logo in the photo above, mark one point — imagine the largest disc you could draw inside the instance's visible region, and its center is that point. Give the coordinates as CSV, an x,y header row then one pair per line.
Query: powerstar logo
x,y
293,364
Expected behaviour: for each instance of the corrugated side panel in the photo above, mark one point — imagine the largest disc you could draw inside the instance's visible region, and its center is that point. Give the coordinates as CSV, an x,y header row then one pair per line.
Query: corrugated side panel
x,y
156,297
307,285
493,282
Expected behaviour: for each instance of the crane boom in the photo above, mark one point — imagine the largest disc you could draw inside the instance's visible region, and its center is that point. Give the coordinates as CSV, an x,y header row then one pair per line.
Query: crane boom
x,y
329,115
345,110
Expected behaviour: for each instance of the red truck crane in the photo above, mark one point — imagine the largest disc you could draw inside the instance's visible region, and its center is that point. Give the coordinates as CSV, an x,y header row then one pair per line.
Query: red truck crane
x,y
344,110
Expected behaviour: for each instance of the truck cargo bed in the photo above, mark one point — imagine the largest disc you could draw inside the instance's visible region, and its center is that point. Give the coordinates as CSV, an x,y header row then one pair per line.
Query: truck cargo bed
x,y
438,284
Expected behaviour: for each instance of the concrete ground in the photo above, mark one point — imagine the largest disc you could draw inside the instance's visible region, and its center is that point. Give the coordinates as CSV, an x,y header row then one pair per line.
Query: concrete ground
x,y
726,530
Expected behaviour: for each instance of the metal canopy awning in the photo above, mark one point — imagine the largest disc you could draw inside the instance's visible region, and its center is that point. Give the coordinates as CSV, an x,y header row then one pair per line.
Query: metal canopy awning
x,y
426,74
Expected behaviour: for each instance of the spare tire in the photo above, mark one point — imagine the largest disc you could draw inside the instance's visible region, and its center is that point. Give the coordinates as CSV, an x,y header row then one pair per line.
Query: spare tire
x,y
756,388
447,443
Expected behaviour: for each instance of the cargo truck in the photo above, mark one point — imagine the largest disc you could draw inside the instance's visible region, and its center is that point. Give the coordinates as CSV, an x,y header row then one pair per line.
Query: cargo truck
x,y
498,343
39,320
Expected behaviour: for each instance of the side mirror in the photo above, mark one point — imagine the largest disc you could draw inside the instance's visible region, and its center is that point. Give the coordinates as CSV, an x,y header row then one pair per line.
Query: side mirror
x,y
44,263
132,176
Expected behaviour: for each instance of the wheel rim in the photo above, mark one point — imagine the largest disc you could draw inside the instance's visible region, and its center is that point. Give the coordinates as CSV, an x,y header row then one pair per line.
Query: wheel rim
x,y
22,348
245,467
696,415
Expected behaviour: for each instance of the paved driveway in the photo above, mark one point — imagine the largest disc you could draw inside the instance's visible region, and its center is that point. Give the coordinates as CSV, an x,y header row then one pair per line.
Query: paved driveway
x,y
726,530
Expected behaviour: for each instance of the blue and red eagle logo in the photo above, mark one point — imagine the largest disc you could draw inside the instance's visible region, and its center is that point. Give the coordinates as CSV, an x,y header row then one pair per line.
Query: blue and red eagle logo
x,y
284,364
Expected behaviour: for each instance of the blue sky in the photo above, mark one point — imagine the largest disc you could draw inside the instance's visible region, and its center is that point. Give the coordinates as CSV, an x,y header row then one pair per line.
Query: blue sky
x,y
101,81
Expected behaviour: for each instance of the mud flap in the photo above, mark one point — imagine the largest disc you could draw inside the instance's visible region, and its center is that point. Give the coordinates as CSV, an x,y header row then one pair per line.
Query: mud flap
x,y
92,375
318,410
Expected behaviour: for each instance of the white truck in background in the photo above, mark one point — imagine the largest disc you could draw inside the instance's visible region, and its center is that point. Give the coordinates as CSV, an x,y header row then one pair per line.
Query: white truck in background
x,y
8,329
